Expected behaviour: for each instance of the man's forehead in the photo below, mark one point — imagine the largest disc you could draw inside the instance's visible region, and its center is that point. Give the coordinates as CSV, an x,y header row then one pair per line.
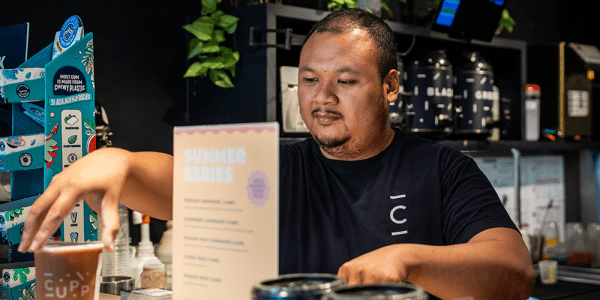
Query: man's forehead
x,y
353,31
322,41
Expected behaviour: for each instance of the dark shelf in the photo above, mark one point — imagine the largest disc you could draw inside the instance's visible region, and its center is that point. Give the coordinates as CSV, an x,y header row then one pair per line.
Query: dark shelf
x,y
541,147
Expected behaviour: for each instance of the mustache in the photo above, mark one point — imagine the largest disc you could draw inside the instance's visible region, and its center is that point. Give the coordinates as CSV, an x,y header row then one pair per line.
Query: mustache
x,y
325,111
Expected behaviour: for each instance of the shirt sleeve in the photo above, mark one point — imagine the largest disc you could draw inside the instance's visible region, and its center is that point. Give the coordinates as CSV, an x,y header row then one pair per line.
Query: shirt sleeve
x,y
470,203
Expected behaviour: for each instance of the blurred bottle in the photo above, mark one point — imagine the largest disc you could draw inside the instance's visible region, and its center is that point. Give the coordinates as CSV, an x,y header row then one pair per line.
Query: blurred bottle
x,y
145,250
551,239
592,240
578,253
532,112
117,263
164,252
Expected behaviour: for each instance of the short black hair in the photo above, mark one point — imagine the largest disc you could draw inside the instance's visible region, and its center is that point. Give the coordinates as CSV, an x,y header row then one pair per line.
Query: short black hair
x,y
380,33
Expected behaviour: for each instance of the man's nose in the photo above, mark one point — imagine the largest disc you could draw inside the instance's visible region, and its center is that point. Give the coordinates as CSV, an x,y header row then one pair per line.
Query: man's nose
x,y
326,94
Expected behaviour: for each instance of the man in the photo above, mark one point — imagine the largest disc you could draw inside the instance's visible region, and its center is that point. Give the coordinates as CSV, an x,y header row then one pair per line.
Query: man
x,y
371,203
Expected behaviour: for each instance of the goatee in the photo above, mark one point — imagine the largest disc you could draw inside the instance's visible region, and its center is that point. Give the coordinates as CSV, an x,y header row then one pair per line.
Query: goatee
x,y
330,143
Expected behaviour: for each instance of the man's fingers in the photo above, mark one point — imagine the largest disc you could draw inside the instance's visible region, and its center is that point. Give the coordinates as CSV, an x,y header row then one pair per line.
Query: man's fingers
x,y
35,217
110,222
56,214
350,276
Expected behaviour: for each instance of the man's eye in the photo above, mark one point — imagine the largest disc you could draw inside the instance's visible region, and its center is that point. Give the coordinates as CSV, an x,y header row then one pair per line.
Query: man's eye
x,y
310,80
346,82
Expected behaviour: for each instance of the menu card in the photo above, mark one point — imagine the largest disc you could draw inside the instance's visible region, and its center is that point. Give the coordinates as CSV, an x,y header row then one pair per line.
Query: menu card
x,y
225,210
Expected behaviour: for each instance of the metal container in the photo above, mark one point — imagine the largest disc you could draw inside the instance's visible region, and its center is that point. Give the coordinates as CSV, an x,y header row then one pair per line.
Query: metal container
x,y
115,284
307,286
400,291
430,81
475,90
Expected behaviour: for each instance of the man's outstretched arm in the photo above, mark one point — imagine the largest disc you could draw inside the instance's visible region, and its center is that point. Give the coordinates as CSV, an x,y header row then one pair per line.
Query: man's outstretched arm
x,y
142,181
494,264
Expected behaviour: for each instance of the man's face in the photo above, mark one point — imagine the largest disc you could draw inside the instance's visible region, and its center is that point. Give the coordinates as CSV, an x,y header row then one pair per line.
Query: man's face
x,y
342,99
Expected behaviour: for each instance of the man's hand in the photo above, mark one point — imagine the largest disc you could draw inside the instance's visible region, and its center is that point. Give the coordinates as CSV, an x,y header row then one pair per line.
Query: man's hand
x,y
103,178
494,264
380,266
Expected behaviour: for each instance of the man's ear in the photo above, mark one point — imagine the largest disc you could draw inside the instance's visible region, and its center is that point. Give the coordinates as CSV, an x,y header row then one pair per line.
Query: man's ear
x,y
391,86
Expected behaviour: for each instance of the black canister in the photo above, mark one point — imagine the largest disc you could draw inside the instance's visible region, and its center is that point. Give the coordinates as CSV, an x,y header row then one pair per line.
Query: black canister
x,y
430,81
397,107
297,286
475,93
399,291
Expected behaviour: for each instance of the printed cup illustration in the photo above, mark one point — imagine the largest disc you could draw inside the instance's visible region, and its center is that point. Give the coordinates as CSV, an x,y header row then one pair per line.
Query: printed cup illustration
x,y
548,270
66,270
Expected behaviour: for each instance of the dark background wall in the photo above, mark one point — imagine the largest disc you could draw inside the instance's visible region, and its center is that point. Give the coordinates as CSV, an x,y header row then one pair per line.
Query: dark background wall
x,y
141,50
140,58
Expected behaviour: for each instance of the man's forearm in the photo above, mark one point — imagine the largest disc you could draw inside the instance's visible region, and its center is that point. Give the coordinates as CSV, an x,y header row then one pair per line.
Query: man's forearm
x,y
149,188
483,269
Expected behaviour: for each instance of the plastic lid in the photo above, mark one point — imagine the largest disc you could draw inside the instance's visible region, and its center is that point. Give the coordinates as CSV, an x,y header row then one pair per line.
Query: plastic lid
x,y
437,59
297,286
137,217
398,291
532,88
474,61
154,267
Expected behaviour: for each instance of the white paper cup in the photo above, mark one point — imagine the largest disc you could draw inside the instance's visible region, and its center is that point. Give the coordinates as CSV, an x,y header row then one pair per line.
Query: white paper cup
x,y
548,271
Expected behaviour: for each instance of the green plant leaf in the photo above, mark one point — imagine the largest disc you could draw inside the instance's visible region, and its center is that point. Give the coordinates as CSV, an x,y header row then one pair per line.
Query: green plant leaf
x,y
351,3
200,29
230,59
220,78
210,47
195,47
219,36
195,70
506,21
225,50
385,7
216,15
227,21
209,6
214,63
231,29
207,20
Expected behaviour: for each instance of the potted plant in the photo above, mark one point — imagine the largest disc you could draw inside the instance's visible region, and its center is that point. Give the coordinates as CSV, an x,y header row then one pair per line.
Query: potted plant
x,y
207,47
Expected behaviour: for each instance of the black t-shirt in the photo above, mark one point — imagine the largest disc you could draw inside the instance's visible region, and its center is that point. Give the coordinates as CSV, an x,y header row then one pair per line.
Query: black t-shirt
x,y
415,191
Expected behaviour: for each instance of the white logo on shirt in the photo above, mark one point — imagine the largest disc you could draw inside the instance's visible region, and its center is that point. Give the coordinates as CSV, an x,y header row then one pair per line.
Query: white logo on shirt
x,y
393,218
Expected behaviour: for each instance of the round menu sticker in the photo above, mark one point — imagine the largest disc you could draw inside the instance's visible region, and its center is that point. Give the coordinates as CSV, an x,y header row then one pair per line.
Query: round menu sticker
x,y
258,188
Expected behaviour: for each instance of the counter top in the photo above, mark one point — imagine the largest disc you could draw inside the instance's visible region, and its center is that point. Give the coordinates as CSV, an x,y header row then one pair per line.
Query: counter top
x,y
109,297
566,290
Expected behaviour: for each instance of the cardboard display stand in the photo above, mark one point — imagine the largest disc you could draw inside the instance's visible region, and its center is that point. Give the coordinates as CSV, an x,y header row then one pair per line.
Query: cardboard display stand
x,y
51,100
